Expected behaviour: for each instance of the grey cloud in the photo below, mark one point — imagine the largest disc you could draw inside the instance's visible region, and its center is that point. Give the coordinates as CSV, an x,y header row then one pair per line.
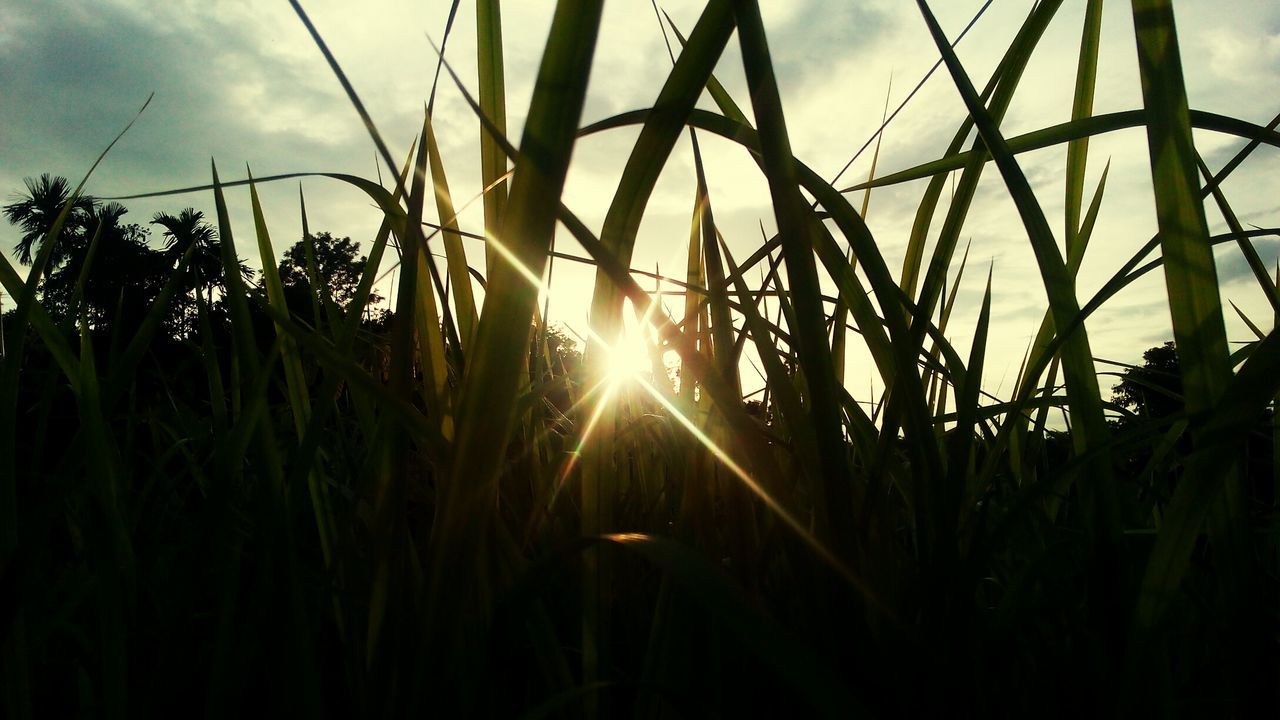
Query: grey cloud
x,y
1232,267
239,81
72,84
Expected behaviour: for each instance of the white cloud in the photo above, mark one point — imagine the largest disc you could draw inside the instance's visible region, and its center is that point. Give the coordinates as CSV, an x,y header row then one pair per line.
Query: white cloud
x,y
242,81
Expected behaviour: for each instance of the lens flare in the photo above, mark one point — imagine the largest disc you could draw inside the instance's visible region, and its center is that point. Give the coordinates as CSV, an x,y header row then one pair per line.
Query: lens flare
x,y
627,359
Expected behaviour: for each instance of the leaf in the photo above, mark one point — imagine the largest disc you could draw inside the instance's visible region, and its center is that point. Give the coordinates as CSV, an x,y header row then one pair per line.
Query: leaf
x,y
455,254
501,346
493,105
662,127
798,241
1084,396
1194,303
1075,130
1082,107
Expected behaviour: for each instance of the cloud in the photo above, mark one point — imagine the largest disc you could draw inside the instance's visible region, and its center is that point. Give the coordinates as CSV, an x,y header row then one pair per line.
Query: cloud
x,y
1234,269
243,83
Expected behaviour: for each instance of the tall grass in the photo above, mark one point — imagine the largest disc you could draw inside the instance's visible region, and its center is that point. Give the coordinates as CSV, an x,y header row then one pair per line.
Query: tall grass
x,y
452,517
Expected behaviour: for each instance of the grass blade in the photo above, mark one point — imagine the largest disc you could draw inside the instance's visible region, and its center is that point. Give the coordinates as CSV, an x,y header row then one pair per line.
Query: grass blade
x,y
502,337
1079,129
455,255
798,241
493,104
658,136
1083,392
1082,107
1194,307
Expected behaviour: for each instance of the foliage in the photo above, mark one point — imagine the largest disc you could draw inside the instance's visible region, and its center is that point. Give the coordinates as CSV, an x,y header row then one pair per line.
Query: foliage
x,y
36,212
339,265
283,509
1153,390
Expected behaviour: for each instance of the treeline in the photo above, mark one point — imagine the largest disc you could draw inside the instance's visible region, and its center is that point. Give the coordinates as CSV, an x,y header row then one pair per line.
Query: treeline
x,y
108,272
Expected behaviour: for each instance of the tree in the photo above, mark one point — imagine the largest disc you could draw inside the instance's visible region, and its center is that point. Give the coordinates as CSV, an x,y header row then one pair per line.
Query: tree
x,y
106,266
185,230
36,212
100,263
338,266
1153,390
112,268
204,273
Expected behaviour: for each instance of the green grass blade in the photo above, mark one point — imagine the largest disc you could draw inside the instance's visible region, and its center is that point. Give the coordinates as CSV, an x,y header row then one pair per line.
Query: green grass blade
x,y
1079,129
295,379
322,306
1250,253
1190,274
718,301
658,136
1084,395
1046,335
455,255
721,96
245,346
1082,107
493,104
390,222
501,347
841,313
692,306
961,486
1195,306
1253,327
346,85
1000,89
414,288
948,305
798,231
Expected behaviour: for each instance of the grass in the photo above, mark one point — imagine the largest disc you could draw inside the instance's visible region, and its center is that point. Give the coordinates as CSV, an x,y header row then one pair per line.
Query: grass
x,y
453,516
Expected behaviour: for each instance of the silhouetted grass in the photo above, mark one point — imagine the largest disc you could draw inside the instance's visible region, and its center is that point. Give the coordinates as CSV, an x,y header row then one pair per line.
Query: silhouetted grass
x,y
304,514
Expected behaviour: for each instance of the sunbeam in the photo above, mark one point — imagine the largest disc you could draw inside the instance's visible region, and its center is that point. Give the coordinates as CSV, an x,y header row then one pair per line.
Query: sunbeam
x,y
739,472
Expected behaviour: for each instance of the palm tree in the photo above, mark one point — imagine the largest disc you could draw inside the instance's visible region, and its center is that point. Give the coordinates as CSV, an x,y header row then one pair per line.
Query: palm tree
x,y
36,211
183,231
188,229
125,275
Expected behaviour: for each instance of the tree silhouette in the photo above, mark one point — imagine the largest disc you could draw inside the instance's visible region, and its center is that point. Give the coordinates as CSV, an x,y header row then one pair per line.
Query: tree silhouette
x,y
36,211
110,267
338,266
100,263
1153,390
205,274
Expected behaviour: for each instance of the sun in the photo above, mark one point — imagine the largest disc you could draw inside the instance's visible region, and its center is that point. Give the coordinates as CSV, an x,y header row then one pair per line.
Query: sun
x,y
627,358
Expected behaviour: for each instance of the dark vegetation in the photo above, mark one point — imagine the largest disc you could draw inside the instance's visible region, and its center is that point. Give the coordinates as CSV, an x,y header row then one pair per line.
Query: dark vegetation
x,y
226,493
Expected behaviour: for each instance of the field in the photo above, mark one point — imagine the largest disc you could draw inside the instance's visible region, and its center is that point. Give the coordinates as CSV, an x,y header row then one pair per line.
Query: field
x,y
225,492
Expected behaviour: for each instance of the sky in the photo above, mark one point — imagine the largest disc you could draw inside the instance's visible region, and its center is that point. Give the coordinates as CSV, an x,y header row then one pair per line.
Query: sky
x,y
241,83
